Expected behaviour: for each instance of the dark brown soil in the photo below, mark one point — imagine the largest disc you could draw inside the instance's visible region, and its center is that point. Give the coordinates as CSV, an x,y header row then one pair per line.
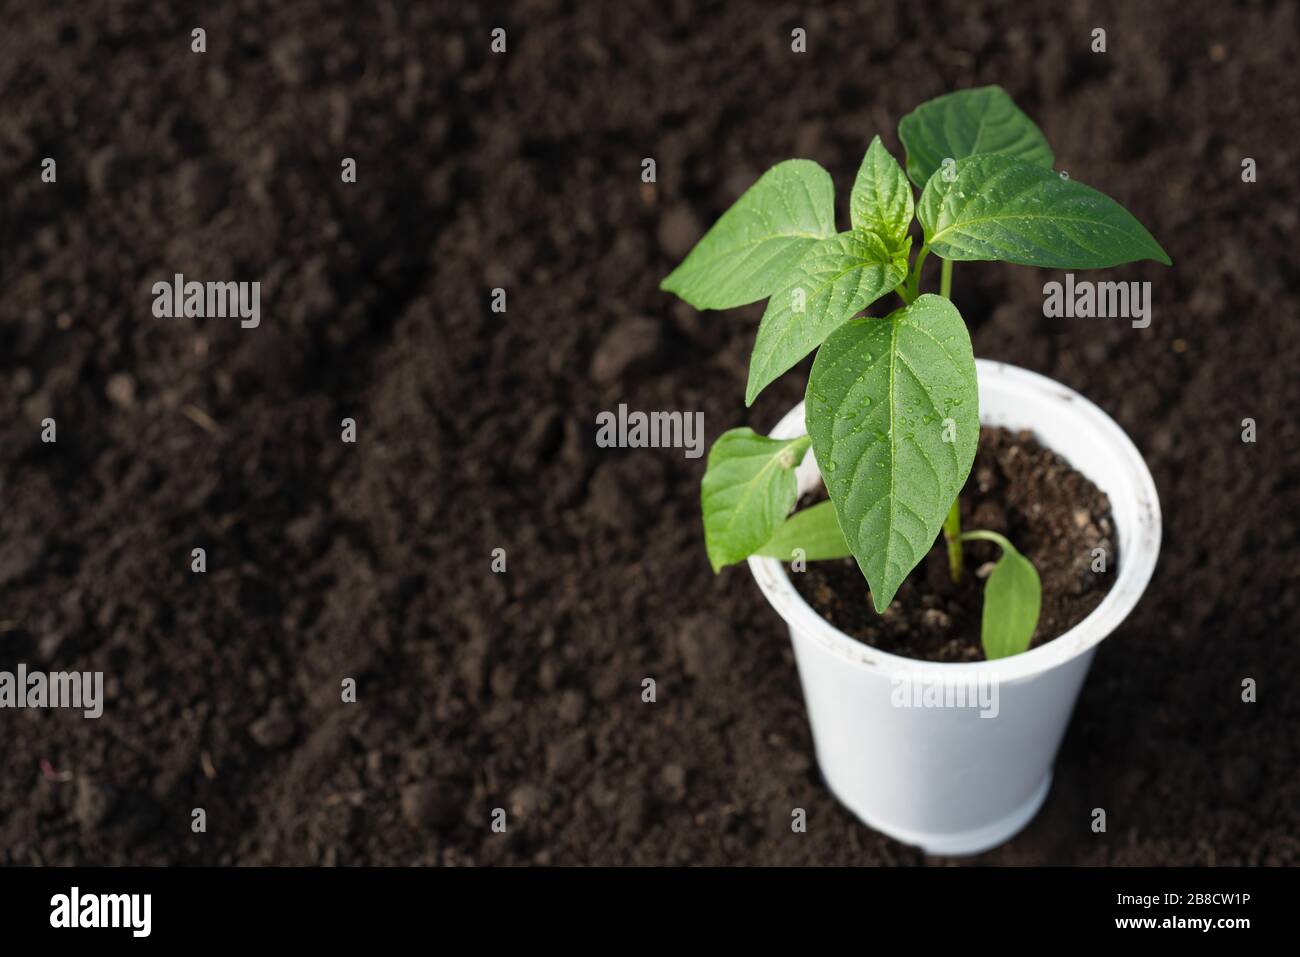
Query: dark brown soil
x,y
1051,513
372,561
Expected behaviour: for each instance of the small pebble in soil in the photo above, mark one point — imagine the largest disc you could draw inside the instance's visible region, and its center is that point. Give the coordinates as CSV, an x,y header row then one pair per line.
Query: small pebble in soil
x,y
572,706
705,644
674,779
503,681
274,729
548,675
426,805
541,440
22,381
526,801
633,814
49,645
567,755
796,762
120,389
20,556
679,228
307,531
200,188
109,172
624,493
630,347
935,620
94,802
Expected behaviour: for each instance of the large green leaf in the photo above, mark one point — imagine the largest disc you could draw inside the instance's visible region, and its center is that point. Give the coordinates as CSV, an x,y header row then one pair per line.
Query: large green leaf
x,y
882,198
1013,597
748,489
756,242
1001,208
893,411
815,531
965,123
836,279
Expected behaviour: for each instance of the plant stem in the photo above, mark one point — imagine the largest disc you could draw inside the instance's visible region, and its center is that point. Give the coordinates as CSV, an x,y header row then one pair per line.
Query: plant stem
x,y
952,524
952,533
914,280
983,535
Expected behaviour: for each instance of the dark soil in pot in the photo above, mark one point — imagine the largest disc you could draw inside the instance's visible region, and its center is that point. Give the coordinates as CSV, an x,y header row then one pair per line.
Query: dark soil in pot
x,y
1050,512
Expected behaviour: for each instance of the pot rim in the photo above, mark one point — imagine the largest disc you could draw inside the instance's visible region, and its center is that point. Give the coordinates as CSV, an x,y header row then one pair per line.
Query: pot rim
x,y
1140,549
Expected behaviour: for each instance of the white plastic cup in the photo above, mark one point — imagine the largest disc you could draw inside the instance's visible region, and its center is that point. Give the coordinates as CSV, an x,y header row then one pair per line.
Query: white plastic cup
x,y
958,780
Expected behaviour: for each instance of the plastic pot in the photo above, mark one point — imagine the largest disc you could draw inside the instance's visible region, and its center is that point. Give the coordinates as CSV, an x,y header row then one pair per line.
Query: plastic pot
x,y
957,758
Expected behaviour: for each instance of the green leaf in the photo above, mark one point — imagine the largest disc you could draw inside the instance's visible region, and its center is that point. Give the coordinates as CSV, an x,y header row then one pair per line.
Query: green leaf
x,y
966,123
837,278
815,530
1013,597
882,198
755,244
748,489
893,411
1000,208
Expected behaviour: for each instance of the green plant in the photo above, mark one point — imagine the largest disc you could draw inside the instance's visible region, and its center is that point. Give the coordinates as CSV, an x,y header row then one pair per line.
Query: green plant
x,y
892,407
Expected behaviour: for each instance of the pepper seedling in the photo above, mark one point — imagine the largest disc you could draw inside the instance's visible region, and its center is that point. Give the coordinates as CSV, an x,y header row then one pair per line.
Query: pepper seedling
x,y
892,404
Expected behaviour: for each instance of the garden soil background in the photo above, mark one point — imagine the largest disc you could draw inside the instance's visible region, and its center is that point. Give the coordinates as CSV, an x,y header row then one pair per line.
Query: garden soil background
x,y
476,430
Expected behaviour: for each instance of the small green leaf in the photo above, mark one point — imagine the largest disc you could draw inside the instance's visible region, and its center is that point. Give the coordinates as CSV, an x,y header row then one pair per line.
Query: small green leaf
x,y
755,243
815,530
893,411
882,198
965,123
748,489
837,278
1000,208
1013,597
